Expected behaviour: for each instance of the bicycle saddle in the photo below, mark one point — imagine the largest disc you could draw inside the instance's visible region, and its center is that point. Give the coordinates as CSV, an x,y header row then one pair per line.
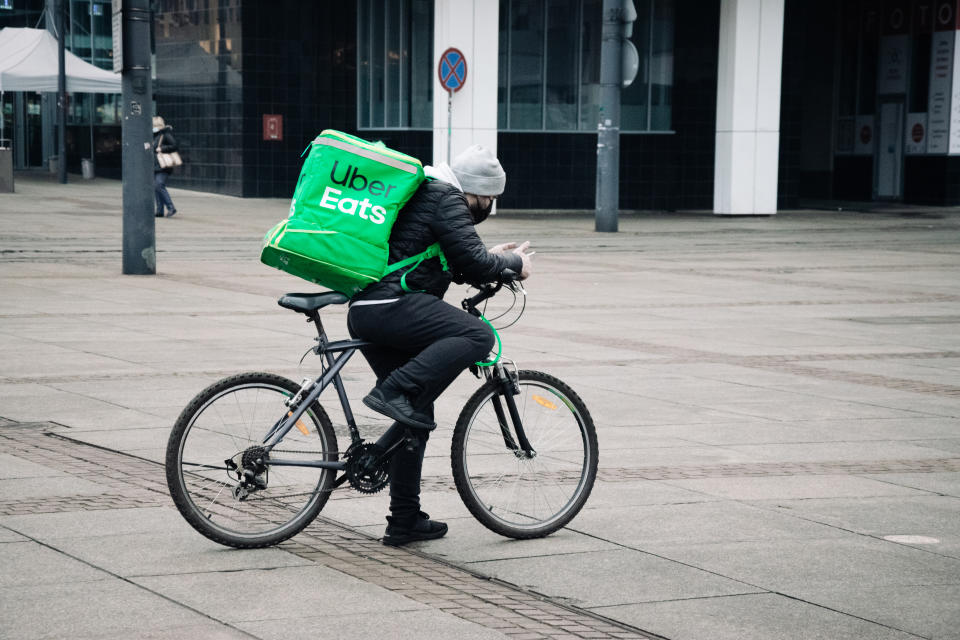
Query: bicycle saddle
x,y
307,302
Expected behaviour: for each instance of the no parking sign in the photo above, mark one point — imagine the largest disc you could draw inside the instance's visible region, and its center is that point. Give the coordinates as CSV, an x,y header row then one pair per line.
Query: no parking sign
x,y
452,70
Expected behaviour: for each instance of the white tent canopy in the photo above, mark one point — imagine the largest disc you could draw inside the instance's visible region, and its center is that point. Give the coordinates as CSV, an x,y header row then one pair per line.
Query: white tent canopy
x,y
29,62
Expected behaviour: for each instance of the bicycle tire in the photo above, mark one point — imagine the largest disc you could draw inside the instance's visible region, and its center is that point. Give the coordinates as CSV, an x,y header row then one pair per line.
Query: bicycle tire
x,y
513,495
197,472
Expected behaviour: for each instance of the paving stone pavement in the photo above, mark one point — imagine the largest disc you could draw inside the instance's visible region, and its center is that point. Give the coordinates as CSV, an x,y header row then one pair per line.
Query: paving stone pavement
x,y
131,483
776,402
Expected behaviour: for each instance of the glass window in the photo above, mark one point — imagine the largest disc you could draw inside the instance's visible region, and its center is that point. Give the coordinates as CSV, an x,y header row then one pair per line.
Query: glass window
x,y
526,64
550,66
394,52
503,70
661,67
420,111
562,75
635,99
590,30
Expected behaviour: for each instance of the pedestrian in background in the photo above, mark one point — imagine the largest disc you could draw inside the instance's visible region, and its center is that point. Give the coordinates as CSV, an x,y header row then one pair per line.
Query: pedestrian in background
x,y
165,143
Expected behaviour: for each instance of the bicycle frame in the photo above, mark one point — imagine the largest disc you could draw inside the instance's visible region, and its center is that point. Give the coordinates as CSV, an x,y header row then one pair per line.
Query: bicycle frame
x,y
346,348
393,437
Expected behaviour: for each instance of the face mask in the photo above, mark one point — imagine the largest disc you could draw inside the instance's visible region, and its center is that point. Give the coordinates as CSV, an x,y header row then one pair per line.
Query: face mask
x,y
155,129
480,214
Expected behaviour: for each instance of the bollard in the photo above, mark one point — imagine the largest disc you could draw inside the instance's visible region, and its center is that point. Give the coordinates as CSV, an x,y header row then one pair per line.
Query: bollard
x,y
86,165
6,170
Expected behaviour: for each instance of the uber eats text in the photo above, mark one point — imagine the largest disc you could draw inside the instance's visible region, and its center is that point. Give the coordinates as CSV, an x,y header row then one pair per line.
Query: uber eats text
x,y
358,182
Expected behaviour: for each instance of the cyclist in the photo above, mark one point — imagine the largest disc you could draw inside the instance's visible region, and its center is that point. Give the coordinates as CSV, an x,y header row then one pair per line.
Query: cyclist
x,y
420,343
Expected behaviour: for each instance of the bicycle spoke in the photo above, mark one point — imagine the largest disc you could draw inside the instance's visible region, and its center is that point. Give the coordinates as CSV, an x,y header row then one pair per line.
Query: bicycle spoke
x,y
535,491
252,504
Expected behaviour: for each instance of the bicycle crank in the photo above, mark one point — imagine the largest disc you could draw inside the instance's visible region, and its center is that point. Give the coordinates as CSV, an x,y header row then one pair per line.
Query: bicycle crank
x,y
366,468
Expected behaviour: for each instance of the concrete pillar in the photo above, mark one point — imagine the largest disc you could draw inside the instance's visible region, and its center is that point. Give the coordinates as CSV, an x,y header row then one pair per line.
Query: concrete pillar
x,y
748,107
472,26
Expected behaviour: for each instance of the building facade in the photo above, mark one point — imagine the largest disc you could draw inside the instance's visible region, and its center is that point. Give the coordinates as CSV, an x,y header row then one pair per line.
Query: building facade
x,y
738,106
93,120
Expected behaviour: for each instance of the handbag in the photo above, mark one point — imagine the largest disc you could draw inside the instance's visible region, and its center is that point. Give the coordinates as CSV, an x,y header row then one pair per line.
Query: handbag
x,y
168,160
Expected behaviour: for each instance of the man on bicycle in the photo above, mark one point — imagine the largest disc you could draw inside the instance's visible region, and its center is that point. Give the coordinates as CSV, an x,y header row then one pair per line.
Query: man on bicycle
x,y
420,343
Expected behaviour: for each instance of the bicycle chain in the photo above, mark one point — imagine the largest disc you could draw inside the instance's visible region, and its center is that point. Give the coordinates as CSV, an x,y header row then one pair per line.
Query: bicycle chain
x,y
322,453
363,480
367,486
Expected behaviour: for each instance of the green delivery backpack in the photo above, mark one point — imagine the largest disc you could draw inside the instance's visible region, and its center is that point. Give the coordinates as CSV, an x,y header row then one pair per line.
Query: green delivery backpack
x,y
343,209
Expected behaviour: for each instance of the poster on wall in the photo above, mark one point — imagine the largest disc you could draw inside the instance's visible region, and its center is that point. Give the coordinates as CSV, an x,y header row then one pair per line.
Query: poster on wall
x,y
916,134
955,99
894,48
864,133
894,56
942,51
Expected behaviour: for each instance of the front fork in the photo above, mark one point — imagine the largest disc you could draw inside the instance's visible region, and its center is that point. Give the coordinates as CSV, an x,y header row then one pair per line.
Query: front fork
x,y
507,386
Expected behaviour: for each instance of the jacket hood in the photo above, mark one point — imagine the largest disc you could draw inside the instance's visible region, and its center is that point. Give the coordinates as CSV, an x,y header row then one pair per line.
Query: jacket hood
x,y
443,173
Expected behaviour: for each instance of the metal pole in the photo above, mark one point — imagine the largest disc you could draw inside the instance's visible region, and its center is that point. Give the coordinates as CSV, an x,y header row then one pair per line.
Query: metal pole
x,y
61,94
449,123
92,97
139,241
608,129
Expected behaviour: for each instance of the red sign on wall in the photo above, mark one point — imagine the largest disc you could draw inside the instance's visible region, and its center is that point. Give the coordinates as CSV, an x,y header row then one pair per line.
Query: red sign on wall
x,y
272,126
917,133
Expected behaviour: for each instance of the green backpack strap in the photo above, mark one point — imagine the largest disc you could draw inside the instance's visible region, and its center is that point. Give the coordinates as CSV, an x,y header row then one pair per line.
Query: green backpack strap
x,y
433,251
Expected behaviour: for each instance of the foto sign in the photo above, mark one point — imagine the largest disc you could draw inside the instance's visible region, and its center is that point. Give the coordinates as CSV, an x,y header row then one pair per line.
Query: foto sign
x,y
452,70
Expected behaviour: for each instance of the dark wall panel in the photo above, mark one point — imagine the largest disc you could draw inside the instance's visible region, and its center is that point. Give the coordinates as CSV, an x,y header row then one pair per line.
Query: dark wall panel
x,y
299,63
853,178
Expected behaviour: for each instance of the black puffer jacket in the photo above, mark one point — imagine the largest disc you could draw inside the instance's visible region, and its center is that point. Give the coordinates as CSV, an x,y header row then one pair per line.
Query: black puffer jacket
x,y
438,212
166,143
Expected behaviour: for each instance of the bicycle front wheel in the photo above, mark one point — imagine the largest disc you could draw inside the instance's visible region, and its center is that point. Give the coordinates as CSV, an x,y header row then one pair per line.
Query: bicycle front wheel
x,y
514,493
219,435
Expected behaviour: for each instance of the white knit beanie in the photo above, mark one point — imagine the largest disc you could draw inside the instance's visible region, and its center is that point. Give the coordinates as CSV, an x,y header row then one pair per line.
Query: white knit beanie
x,y
479,172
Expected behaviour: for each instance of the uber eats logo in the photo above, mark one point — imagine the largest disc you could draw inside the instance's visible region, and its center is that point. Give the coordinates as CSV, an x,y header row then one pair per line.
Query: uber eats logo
x,y
352,179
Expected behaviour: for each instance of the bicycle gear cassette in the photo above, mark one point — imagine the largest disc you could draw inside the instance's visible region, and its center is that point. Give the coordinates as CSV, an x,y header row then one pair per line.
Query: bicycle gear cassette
x,y
363,471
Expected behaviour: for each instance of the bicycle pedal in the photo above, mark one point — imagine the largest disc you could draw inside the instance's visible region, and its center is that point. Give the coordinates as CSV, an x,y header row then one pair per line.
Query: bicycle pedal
x,y
412,444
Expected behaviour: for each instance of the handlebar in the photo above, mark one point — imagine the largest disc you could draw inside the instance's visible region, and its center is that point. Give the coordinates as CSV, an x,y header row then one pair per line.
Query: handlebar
x,y
507,277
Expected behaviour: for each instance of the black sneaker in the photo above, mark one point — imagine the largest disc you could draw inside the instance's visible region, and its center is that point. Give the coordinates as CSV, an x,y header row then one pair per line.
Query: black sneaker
x,y
158,214
172,213
394,404
420,528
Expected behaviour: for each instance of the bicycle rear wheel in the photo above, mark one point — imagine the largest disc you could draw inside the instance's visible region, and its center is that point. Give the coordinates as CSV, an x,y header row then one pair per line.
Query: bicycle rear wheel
x,y
519,495
219,433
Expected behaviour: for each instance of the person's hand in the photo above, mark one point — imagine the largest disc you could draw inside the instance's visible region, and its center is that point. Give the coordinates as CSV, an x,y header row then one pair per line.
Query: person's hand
x,y
525,259
503,248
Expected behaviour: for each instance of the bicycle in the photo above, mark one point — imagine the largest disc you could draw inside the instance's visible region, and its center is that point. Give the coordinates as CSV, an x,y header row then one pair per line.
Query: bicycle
x,y
253,458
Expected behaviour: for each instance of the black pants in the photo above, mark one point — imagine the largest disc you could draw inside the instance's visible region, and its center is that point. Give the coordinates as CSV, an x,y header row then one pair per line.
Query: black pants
x,y
421,345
